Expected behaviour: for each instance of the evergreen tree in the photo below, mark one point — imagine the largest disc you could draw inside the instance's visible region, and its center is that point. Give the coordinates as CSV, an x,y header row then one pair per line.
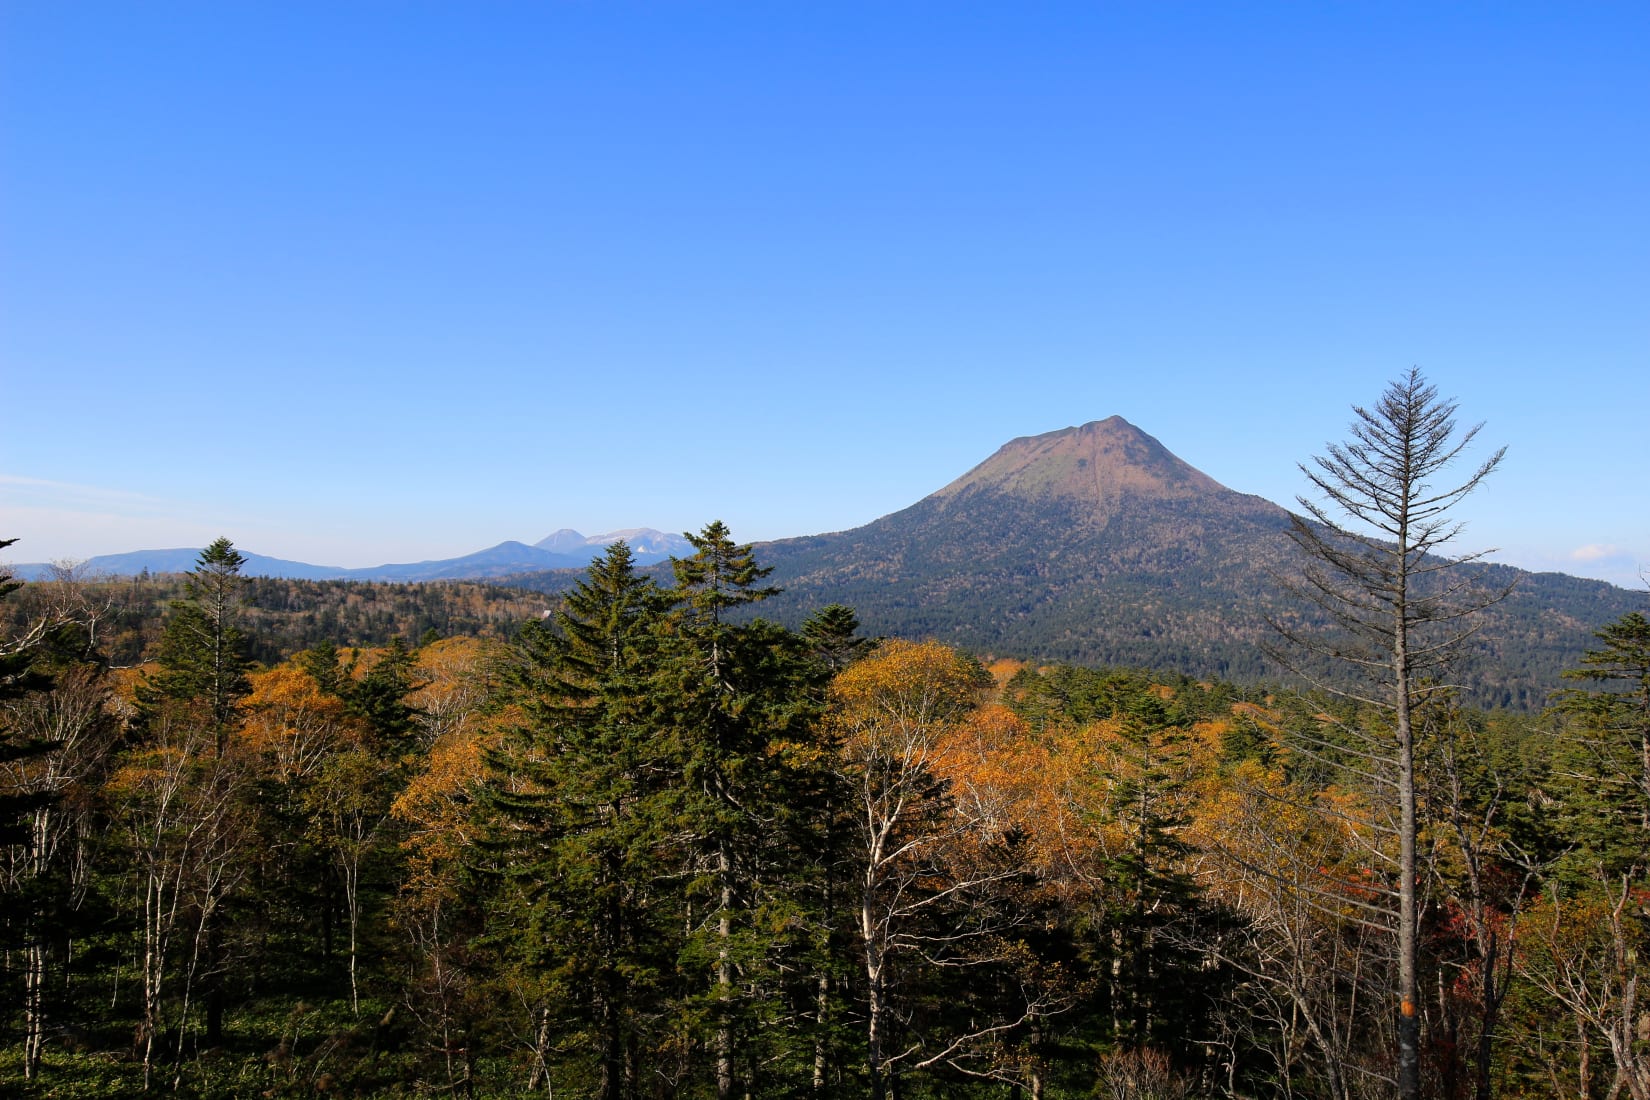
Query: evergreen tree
x,y
575,800
1591,935
728,699
379,698
202,652
20,673
322,662
832,634
202,678
1153,899
1612,719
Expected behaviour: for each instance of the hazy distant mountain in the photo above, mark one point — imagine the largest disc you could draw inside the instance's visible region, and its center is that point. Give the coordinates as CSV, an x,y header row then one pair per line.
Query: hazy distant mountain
x,y
1095,544
647,544
181,560
565,541
565,549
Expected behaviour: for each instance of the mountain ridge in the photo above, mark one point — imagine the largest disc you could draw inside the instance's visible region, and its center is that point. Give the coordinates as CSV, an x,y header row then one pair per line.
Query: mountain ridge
x,y
505,559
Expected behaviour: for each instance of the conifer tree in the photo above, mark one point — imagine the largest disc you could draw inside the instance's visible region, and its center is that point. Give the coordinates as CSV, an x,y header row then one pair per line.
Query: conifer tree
x,y
1590,940
1371,547
202,678
1148,884
1613,720
20,673
832,633
202,652
380,697
577,827
832,637
728,696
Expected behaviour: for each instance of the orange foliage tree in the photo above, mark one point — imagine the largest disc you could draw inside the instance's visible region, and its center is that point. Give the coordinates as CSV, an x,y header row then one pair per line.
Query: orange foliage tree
x,y
935,801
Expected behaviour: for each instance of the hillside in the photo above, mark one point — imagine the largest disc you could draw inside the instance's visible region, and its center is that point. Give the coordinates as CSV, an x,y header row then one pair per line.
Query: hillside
x,y
1097,545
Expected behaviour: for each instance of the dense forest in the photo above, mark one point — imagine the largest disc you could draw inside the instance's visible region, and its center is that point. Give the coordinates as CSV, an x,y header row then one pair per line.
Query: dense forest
x,y
648,845
124,616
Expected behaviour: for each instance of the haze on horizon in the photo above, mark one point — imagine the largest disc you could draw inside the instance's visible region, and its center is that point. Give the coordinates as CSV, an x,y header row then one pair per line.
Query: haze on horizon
x,y
370,284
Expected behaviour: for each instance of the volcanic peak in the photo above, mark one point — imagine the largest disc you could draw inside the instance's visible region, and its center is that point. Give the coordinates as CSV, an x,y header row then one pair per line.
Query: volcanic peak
x,y
1095,465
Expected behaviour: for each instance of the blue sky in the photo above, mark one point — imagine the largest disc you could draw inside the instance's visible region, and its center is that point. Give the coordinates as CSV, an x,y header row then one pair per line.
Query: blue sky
x,y
365,282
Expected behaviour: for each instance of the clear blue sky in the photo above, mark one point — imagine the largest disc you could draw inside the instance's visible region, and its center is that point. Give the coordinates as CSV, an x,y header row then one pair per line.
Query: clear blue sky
x,y
367,282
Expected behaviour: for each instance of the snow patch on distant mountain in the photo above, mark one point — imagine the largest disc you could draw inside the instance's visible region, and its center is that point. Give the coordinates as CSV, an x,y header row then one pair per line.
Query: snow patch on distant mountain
x,y
648,544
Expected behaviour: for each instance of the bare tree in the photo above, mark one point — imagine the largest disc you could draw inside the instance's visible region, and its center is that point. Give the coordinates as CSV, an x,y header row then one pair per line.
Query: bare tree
x,y
49,872
1288,861
1585,956
55,736
75,595
1372,544
179,808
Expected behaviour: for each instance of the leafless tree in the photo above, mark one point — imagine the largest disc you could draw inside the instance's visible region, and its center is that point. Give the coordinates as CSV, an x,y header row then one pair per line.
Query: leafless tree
x,y
1372,544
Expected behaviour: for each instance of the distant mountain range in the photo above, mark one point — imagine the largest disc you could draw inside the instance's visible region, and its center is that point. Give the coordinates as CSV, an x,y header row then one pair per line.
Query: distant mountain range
x,y
1093,544
565,549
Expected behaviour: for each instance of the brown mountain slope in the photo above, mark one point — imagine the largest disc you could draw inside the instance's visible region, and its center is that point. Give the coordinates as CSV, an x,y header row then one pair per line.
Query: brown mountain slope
x,y
1096,466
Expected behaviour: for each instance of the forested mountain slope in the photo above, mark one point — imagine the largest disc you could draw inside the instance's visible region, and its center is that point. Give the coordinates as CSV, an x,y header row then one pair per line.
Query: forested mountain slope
x,y
1097,545
1092,545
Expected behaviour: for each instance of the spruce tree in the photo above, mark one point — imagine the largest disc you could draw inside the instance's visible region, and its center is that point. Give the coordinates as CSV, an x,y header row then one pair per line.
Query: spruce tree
x,y
202,652
21,672
201,681
729,698
832,634
577,829
1611,717
379,698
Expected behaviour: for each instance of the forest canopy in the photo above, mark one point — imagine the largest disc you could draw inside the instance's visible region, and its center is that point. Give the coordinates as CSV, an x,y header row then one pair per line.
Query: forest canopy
x,y
649,845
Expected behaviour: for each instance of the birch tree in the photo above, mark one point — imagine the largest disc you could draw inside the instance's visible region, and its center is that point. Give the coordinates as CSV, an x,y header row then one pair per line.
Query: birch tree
x,y
924,873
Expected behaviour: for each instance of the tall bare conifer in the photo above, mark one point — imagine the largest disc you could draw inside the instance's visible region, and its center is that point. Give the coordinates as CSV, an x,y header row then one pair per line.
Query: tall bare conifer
x,y
1372,541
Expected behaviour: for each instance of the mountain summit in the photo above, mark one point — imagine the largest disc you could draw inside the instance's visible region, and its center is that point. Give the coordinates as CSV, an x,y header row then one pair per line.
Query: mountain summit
x,y
1096,466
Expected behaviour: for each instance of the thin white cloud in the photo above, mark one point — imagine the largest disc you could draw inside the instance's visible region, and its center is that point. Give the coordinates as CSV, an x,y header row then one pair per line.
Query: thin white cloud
x,y
61,520
1596,552
17,491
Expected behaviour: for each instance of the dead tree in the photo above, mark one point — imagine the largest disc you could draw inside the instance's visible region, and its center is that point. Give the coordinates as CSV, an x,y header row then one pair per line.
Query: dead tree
x,y
1372,544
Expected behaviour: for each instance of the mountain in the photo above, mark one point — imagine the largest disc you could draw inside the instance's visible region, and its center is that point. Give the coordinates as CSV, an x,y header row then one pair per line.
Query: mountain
x,y
647,544
1094,544
181,560
566,549
1097,545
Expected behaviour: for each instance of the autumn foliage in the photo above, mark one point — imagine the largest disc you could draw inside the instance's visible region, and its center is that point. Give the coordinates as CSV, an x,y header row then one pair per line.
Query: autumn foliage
x,y
654,847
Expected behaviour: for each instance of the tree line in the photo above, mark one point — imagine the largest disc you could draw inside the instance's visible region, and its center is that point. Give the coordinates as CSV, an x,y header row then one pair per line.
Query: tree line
x,y
279,616
654,849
